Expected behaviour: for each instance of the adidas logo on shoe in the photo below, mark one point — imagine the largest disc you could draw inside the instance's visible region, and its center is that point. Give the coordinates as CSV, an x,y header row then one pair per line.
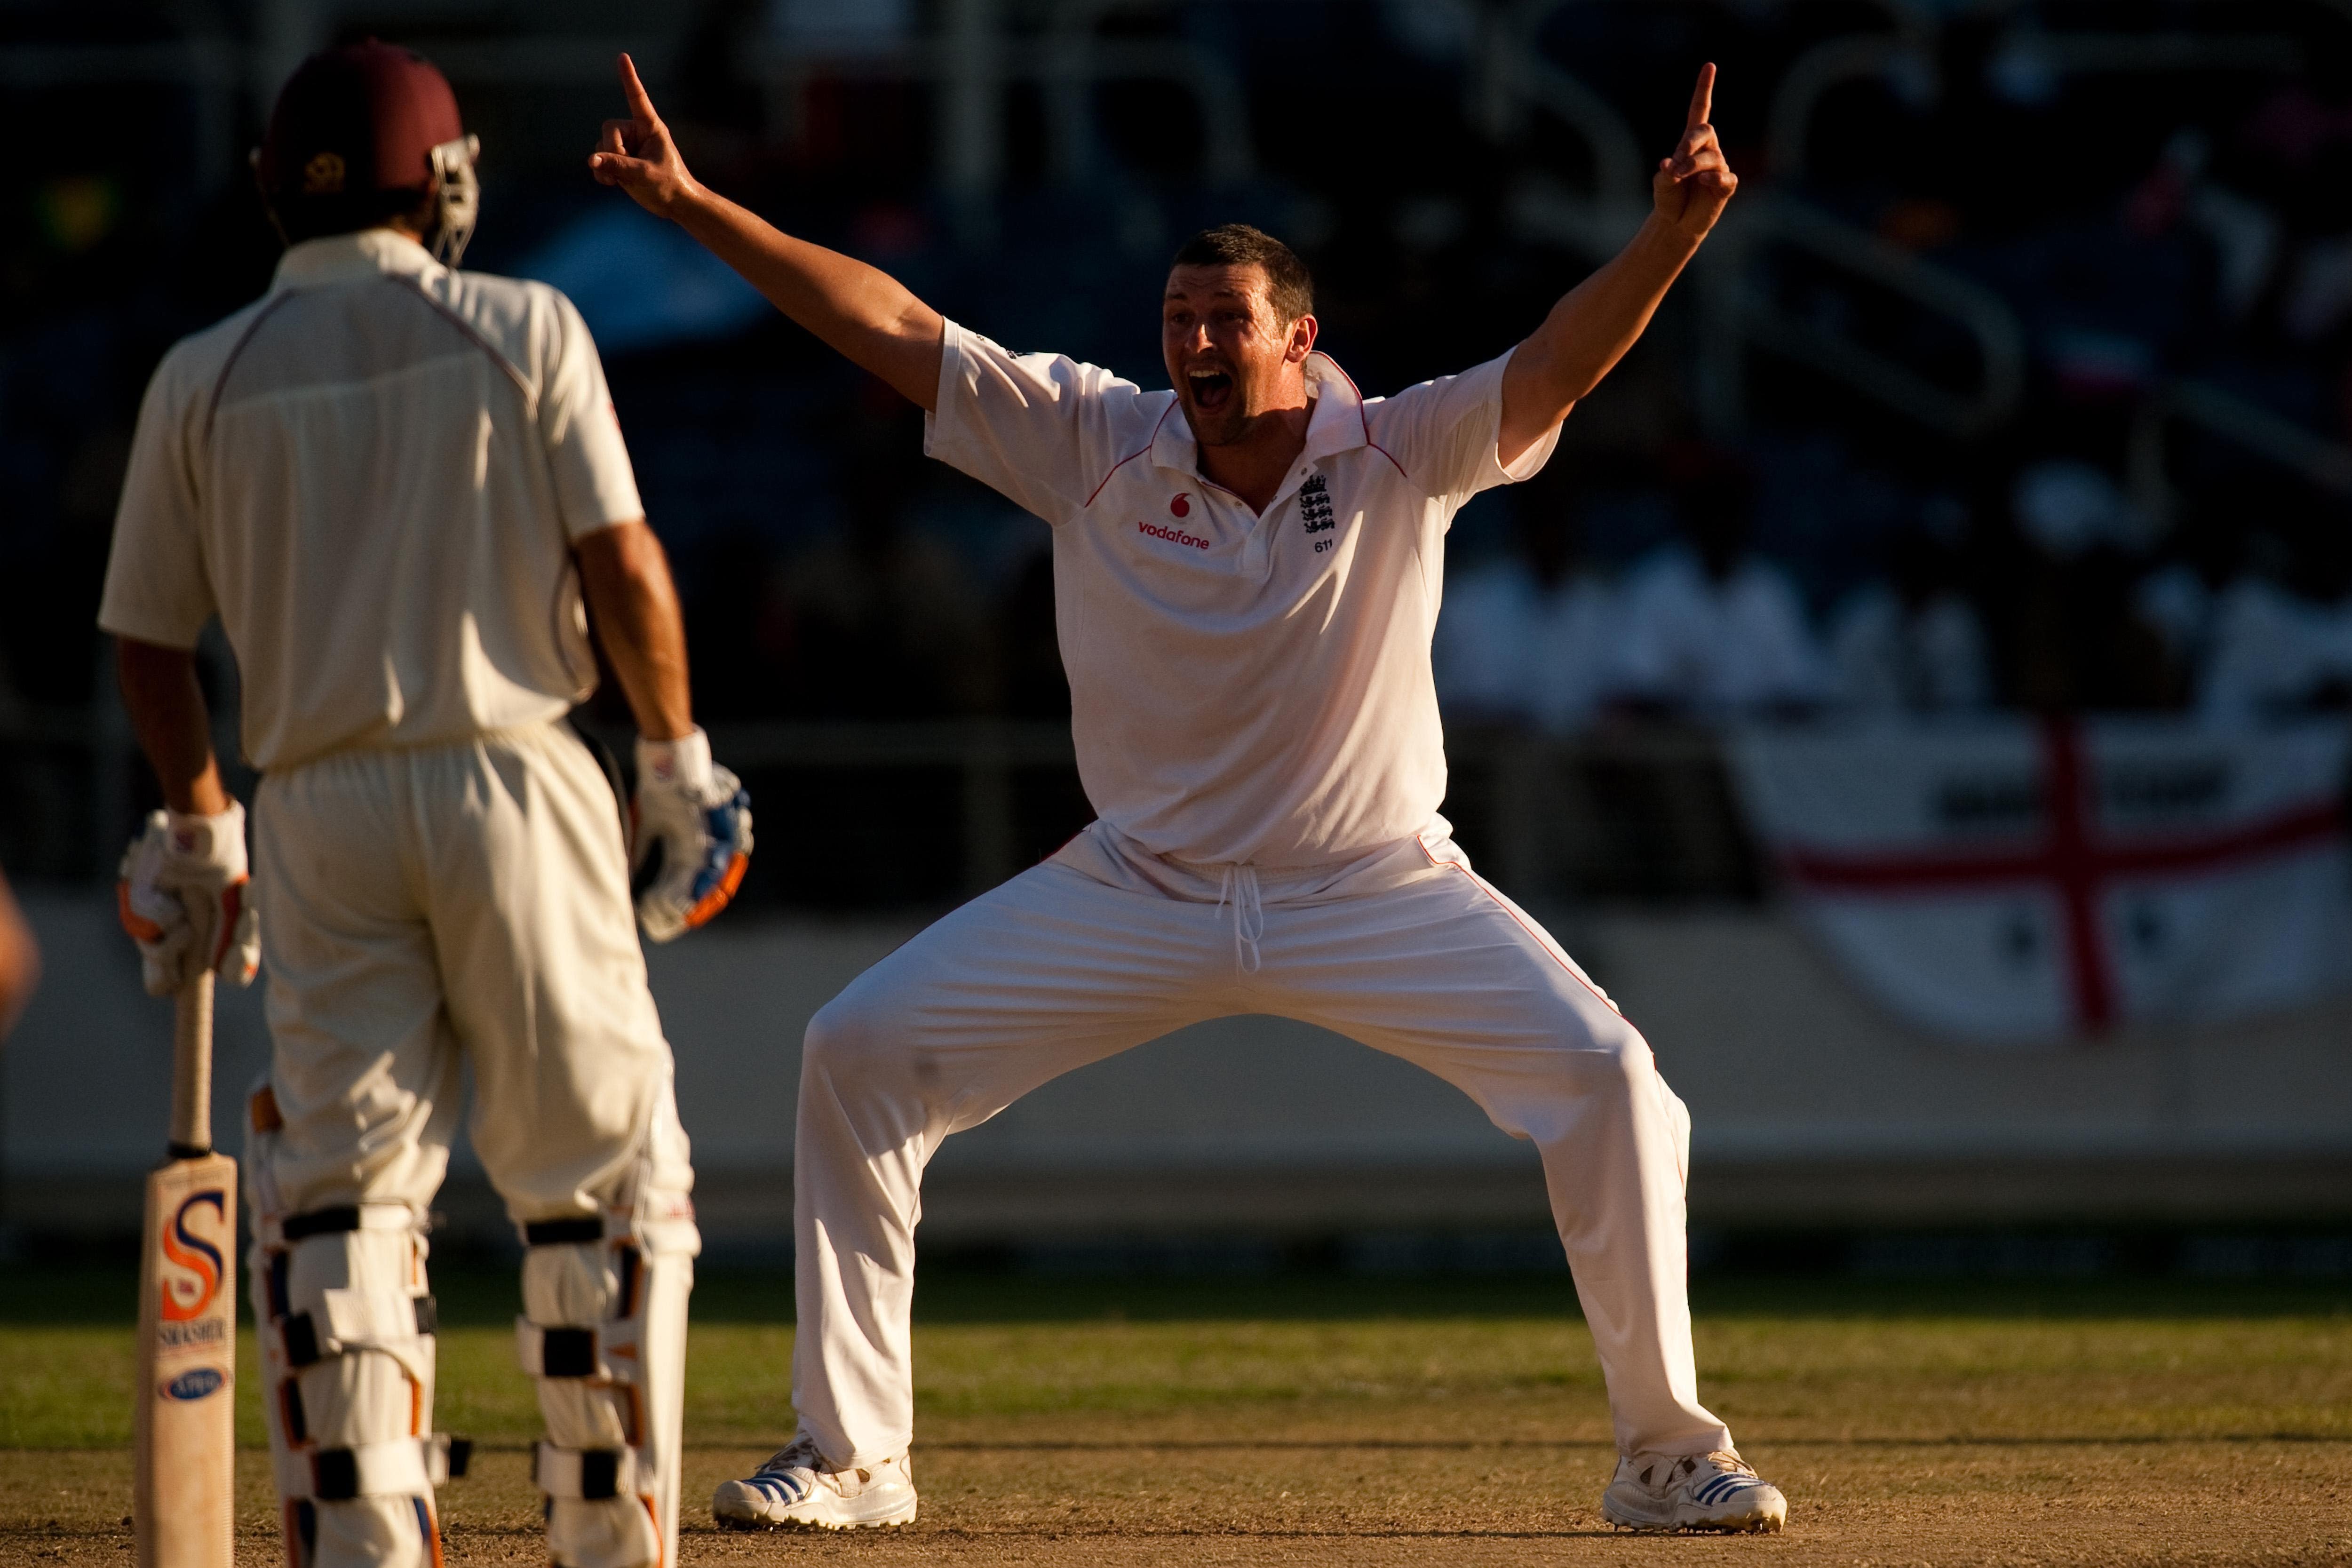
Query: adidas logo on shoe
x,y
1692,1491
798,1486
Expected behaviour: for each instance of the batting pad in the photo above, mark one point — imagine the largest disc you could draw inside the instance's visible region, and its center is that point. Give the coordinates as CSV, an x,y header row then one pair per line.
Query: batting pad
x,y
603,1335
347,1361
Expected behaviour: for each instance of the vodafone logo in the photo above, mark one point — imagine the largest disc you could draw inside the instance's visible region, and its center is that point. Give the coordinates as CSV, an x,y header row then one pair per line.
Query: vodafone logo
x,y
1172,535
1182,506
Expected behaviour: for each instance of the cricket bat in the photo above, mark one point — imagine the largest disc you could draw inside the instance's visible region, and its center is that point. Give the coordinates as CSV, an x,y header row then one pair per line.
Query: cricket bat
x,y
184,1496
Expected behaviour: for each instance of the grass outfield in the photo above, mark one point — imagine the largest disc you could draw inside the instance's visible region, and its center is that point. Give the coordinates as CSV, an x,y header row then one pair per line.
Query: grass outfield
x,y
1333,1420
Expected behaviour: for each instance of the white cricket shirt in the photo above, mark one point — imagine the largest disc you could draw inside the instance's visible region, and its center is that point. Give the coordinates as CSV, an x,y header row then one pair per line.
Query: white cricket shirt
x,y
1244,689
374,474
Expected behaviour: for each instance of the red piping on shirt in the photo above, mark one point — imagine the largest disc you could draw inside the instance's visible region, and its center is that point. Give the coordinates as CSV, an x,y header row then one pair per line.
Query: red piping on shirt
x,y
1366,418
220,382
513,372
1480,883
529,394
1123,462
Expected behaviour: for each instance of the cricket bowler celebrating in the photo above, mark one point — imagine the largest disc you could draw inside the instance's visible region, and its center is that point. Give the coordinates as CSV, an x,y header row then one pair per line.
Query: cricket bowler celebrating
x,y
1246,574
395,484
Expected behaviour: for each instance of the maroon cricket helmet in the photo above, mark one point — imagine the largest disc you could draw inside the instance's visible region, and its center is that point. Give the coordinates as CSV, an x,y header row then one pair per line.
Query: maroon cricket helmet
x,y
361,117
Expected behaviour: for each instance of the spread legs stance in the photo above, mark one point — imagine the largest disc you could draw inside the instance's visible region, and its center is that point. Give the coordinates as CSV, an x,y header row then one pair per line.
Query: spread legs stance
x,y
1101,948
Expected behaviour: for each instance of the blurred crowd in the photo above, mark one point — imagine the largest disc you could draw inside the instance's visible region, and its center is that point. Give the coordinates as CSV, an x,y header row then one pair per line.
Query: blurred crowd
x,y
1827,558
2053,592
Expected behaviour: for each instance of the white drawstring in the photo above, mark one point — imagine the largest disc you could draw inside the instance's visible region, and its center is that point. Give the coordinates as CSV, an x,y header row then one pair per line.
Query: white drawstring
x,y
1240,886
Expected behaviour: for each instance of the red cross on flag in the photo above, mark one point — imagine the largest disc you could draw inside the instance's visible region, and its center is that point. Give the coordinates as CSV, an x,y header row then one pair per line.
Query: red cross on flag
x,y
2014,882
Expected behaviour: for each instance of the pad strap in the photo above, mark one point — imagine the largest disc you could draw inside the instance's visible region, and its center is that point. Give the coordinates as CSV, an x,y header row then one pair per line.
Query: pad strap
x,y
405,1467
279,1231
587,1475
670,1232
350,1319
606,1353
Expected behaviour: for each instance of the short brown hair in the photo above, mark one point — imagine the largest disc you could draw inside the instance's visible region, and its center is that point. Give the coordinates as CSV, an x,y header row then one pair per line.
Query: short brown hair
x,y
1289,287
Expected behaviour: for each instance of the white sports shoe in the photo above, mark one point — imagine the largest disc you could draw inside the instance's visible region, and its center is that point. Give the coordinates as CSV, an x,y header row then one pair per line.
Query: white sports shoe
x,y
800,1485
1692,1491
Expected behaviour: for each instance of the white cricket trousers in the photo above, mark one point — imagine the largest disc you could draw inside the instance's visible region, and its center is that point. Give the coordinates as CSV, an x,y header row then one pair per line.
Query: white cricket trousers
x,y
424,911
433,907
1104,947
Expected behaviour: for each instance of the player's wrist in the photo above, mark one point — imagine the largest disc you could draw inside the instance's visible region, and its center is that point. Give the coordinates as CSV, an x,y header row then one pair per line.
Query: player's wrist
x,y
683,764
1667,236
688,203
207,839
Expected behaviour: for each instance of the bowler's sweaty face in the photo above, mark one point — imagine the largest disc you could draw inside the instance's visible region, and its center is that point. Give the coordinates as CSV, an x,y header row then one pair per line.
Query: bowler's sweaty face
x,y
1229,358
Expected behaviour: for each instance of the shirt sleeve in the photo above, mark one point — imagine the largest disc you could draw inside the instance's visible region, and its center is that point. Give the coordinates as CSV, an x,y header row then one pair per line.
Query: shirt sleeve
x,y
157,590
1043,429
1443,433
595,487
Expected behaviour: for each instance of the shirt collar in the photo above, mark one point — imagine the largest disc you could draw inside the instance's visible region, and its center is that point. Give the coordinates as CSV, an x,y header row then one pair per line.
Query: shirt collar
x,y
348,257
1335,424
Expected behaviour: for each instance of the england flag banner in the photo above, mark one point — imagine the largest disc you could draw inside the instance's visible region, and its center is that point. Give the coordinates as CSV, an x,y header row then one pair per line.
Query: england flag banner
x,y
2018,882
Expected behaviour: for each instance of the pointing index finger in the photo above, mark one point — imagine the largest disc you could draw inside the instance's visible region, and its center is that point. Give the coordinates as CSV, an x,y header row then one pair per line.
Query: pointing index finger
x,y
641,106
1702,103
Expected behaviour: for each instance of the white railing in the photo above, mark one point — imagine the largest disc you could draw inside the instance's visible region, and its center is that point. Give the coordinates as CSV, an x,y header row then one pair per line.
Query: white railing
x,y
1905,61
2318,460
1909,61
1515,81
1754,317
1740,314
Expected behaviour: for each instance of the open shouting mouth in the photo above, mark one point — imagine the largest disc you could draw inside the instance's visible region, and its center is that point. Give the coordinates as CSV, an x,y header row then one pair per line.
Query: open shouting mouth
x,y
1212,389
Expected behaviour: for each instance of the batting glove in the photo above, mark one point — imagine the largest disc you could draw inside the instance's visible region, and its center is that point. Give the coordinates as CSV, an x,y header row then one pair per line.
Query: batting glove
x,y
182,898
693,838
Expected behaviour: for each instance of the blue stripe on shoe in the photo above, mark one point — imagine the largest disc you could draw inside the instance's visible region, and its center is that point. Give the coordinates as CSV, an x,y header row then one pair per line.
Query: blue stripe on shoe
x,y
783,1489
1724,1488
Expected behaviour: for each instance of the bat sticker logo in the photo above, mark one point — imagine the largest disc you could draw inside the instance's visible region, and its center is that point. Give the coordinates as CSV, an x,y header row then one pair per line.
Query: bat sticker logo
x,y
192,1385
185,1296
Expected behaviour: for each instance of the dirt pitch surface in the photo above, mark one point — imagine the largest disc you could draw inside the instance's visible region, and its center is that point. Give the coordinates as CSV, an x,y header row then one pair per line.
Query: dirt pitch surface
x,y
1271,1500
1102,1425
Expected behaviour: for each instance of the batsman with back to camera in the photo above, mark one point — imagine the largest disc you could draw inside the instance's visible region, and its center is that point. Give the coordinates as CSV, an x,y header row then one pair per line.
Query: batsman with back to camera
x,y
1247,575
396,484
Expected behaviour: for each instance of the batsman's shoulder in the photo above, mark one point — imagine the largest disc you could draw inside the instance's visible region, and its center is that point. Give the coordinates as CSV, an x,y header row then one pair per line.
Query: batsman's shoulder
x,y
494,302
184,378
531,324
203,351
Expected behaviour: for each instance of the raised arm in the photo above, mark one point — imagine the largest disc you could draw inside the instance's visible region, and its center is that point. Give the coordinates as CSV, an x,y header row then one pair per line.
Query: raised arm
x,y
861,311
1590,328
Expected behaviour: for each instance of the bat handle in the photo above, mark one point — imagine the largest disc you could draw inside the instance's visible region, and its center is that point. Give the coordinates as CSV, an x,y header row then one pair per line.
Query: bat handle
x,y
191,1069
